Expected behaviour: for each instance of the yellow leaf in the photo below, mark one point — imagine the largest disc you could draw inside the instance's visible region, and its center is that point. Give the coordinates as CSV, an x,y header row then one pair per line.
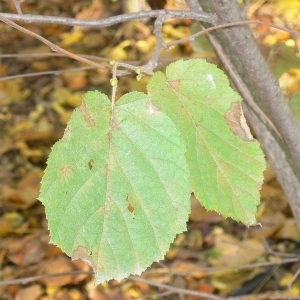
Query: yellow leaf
x,y
286,279
288,9
73,37
13,91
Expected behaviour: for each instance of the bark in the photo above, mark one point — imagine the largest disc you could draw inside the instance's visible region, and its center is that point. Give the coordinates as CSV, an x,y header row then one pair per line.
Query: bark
x,y
265,106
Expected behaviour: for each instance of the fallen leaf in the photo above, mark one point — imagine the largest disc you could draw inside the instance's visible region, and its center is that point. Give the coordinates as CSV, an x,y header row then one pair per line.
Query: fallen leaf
x,y
56,265
232,252
289,231
271,221
200,214
29,293
26,192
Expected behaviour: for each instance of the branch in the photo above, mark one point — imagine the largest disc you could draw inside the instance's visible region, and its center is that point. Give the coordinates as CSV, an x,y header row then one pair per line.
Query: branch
x,y
159,41
52,72
17,5
169,14
232,24
52,46
176,289
27,280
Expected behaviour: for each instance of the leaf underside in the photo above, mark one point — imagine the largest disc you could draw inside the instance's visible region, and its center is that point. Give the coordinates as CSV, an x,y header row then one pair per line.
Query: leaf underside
x,y
116,186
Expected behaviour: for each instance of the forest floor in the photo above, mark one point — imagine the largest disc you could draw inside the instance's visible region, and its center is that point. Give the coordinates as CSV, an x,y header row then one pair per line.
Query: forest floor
x,y
38,91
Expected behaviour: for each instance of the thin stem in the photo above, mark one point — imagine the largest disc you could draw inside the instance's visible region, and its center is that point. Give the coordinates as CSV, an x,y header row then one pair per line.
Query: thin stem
x,y
114,84
27,280
47,54
170,14
18,6
176,289
152,64
257,22
53,72
53,47
212,270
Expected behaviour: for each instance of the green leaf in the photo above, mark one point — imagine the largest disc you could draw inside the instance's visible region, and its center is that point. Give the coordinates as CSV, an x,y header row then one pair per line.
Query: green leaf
x,y
226,164
116,187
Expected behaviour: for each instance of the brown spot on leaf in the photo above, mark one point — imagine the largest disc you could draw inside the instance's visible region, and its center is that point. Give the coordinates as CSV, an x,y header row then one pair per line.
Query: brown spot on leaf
x,y
65,171
90,164
129,207
89,122
84,254
174,84
237,122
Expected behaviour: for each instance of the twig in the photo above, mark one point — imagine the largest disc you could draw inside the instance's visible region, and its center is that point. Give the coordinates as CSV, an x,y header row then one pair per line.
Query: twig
x,y
170,14
269,250
114,79
257,22
53,47
18,6
212,270
176,289
53,72
27,280
45,54
239,268
151,65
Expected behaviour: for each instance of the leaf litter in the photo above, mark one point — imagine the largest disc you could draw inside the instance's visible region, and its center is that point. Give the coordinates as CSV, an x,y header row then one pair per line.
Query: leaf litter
x,y
209,257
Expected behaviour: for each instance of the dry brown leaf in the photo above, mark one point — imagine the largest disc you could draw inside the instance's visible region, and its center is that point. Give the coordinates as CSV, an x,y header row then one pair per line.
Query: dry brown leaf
x,y
26,192
200,214
190,269
232,252
27,250
271,222
269,173
273,197
228,280
74,81
29,293
289,230
9,222
56,265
